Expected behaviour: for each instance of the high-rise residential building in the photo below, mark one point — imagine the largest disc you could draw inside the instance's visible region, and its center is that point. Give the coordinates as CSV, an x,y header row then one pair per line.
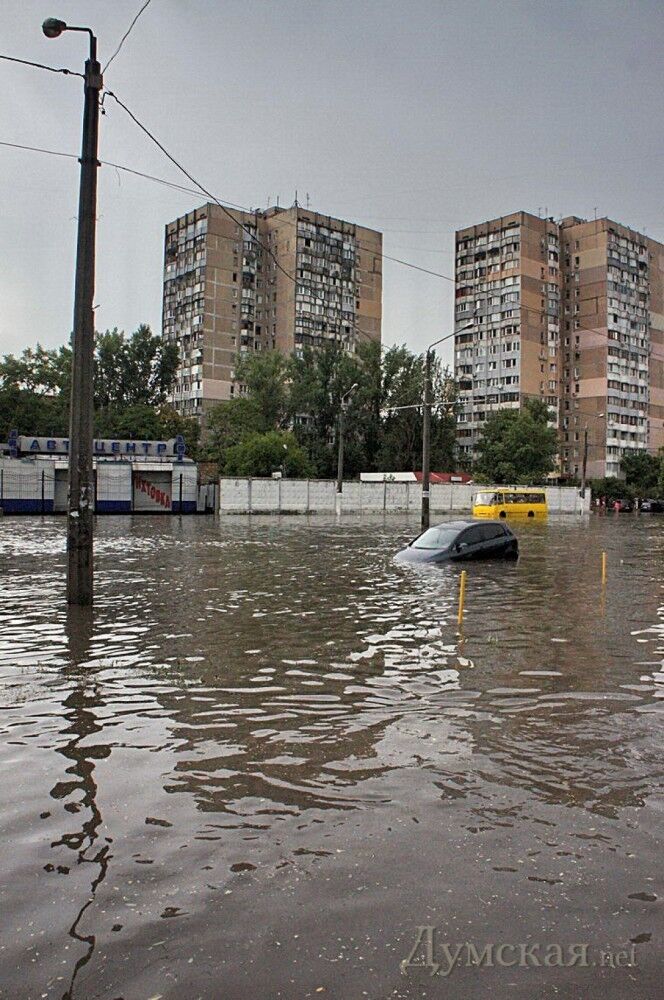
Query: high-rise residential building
x,y
239,282
570,312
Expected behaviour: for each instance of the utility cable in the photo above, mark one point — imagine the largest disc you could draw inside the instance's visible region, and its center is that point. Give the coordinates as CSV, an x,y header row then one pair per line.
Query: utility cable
x,y
126,34
36,65
252,236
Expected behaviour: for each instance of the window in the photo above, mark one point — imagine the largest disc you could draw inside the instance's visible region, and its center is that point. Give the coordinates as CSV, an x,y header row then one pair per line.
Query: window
x,y
491,531
472,536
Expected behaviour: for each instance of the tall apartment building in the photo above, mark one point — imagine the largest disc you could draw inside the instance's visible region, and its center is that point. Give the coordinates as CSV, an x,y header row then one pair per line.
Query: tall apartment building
x,y
279,279
570,312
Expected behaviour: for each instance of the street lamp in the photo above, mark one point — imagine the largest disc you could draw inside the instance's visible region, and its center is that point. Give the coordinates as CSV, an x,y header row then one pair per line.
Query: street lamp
x,y
340,445
80,504
426,424
585,455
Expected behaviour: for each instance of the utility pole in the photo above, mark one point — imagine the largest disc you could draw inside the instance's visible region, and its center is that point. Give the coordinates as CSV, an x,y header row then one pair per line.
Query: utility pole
x,y
585,461
340,446
426,441
426,423
80,506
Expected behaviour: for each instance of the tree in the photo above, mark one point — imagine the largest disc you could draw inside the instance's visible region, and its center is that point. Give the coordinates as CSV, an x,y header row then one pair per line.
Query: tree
x,y
318,380
403,386
517,446
263,454
641,472
133,376
264,376
304,393
149,423
34,391
134,370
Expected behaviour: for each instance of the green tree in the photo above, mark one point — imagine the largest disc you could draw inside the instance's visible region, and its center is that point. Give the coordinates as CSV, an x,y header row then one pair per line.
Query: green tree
x,y
34,391
318,380
264,376
263,454
403,386
517,446
132,378
139,369
148,423
641,471
263,406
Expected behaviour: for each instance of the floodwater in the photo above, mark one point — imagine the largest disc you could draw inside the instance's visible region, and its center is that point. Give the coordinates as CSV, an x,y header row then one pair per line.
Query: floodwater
x,y
268,764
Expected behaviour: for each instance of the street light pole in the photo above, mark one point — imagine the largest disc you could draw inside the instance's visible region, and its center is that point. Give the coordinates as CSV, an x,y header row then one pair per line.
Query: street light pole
x,y
426,441
340,446
426,425
585,461
80,505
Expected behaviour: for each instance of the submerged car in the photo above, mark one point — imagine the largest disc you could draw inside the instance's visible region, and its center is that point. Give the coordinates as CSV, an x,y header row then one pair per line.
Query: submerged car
x,y
652,506
456,541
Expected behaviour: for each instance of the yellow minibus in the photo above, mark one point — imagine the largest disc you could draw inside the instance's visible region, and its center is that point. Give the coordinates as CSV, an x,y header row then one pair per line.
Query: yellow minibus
x,y
504,502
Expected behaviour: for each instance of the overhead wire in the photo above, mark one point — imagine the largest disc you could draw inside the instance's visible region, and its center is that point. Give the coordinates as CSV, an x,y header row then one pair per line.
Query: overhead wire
x,y
36,65
200,188
252,236
126,34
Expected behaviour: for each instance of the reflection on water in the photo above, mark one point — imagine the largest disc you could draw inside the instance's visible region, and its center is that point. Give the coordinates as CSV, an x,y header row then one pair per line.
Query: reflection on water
x,y
264,716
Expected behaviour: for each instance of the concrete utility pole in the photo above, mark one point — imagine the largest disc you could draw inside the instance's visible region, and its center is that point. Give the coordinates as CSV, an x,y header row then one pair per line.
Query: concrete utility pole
x,y
426,441
340,446
426,424
80,508
584,465
585,461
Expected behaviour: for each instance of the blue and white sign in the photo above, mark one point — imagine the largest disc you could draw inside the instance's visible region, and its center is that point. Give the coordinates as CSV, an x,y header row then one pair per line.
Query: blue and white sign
x,y
28,445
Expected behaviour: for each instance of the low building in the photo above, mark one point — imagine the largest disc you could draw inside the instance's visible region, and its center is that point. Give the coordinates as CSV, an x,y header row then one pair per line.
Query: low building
x,y
151,477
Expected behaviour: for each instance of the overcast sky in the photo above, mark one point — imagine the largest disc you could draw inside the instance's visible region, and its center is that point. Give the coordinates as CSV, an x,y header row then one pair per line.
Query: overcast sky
x,y
415,118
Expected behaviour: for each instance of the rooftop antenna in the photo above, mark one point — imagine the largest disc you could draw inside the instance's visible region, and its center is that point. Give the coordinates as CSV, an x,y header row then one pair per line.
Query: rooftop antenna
x,y
277,201
295,202
307,199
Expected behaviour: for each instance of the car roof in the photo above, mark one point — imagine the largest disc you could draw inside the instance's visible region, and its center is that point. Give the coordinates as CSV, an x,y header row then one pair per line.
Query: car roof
x,y
460,525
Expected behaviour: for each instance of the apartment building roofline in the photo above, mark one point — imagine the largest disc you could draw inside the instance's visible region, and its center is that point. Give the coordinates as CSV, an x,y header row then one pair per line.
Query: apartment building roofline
x,y
501,221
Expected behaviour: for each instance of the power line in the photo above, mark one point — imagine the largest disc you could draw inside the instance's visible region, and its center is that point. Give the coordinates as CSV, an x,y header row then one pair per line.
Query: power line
x,y
116,166
252,236
176,187
36,65
126,34
415,267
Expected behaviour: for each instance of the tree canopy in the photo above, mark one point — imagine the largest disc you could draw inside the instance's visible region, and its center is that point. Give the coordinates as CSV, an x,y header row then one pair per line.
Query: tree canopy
x,y
517,446
642,472
303,394
133,375
262,454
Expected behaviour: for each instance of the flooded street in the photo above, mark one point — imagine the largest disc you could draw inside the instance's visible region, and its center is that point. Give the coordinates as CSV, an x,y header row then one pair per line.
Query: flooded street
x,y
268,758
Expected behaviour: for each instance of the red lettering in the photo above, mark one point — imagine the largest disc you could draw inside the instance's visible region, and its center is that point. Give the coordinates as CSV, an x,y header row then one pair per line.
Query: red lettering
x,y
152,492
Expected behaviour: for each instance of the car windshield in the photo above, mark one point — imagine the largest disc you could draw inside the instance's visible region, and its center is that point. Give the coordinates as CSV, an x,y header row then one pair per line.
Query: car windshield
x,y
436,538
486,499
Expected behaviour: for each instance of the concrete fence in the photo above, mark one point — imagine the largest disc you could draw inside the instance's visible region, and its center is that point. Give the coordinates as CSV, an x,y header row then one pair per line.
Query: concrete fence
x,y
316,496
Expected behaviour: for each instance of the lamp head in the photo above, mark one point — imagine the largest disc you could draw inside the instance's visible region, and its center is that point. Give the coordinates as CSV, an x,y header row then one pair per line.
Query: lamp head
x,y
53,28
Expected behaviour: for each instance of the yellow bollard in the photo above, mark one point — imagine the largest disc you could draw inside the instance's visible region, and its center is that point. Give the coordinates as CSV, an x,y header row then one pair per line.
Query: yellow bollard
x,y
603,567
462,596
